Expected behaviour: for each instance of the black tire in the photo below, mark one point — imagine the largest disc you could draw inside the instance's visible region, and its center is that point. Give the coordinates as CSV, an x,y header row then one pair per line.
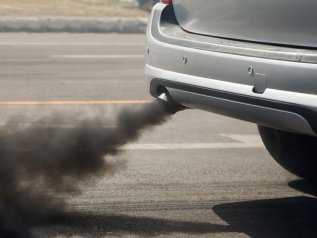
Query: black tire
x,y
296,153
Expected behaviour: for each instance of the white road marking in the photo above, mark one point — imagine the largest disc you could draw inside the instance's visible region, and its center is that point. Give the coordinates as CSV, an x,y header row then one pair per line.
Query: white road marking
x,y
88,102
248,139
243,141
68,44
97,56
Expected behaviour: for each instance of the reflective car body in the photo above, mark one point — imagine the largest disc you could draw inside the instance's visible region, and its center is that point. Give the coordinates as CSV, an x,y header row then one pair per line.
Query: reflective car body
x,y
252,60
289,22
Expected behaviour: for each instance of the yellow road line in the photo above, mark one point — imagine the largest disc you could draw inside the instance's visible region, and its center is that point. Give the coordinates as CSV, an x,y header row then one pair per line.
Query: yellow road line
x,y
98,102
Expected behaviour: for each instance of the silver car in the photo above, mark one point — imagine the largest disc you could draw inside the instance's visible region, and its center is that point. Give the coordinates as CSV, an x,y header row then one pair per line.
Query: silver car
x,y
253,60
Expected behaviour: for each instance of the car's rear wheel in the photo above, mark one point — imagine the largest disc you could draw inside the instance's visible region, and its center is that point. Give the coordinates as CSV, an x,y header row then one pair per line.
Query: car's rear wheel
x,y
296,153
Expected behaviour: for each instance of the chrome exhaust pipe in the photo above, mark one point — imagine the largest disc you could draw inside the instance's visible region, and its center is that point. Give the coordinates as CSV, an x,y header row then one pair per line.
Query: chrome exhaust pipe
x,y
170,105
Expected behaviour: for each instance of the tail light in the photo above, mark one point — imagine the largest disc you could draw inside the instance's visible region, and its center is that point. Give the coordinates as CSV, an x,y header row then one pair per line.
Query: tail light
x,y
167,1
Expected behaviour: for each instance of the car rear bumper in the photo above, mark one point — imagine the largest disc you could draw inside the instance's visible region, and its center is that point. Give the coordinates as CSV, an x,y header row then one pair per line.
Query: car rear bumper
x,y
269,85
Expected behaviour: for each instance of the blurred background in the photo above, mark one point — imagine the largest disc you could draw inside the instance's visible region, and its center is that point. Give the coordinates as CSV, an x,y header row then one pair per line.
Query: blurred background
x,y
76,8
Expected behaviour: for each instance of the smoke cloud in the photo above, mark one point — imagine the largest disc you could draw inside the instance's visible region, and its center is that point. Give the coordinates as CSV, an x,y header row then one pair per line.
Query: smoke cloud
x,y
38,164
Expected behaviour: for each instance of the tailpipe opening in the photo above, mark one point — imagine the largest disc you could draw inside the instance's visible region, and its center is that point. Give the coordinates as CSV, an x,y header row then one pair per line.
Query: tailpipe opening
x,y
170,105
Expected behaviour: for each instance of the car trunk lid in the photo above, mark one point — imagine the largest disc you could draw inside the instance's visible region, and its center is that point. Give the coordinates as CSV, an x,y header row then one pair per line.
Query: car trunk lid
x,y
286,22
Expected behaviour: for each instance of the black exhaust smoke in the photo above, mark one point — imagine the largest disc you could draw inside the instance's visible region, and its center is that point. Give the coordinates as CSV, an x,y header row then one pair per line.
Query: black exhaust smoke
x,y
38,164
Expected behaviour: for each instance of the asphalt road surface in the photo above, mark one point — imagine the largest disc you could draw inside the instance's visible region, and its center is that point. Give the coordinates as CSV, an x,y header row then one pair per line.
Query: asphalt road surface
x,y
199,174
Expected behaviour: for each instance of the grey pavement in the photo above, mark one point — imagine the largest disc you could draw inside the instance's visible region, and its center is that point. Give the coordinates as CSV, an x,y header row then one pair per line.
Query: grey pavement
x,y
216,180
73,24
